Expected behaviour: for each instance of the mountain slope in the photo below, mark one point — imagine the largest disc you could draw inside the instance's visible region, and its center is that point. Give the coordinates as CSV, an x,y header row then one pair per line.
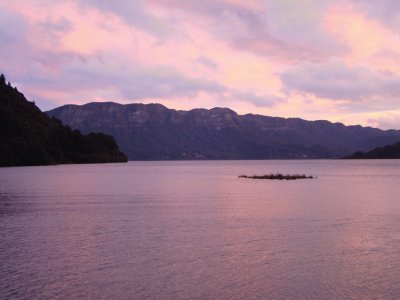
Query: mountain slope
x,y
153,131
30,137
387,152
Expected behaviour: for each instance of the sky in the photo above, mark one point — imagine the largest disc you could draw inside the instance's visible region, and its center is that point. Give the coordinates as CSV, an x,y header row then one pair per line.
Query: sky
x,y
313,59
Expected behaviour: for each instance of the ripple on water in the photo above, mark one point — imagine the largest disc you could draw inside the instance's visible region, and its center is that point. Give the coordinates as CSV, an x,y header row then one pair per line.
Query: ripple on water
x,y
181,230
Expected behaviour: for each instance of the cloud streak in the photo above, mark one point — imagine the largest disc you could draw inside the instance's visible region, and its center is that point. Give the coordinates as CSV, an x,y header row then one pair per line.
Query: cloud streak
x,y
337,81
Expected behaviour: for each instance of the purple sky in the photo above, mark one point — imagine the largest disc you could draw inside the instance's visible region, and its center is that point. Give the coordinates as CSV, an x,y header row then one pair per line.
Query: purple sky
x,y
322,59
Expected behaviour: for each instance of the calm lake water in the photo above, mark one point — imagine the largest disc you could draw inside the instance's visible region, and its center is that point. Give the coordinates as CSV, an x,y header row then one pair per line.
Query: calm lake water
x,y
194,230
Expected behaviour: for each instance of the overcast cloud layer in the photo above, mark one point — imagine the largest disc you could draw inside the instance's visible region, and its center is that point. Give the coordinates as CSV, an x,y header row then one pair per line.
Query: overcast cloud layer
x,y
322,59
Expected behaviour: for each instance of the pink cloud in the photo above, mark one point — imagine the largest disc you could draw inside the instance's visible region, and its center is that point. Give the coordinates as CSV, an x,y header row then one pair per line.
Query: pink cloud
x,y
314,59
337,81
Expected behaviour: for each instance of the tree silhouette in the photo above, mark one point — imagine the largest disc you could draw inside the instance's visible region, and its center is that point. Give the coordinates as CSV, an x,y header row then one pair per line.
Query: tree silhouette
x,y
30,137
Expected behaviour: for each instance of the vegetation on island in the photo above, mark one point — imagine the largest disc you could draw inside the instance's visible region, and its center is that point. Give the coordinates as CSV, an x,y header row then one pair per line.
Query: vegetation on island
x,y
387,152
30,137
278,176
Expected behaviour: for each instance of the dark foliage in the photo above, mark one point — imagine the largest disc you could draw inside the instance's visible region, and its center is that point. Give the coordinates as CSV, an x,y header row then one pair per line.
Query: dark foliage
x,y
278,176
30,137
387,152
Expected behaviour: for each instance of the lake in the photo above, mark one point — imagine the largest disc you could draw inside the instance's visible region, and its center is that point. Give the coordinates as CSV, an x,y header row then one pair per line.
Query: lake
x,y
194,230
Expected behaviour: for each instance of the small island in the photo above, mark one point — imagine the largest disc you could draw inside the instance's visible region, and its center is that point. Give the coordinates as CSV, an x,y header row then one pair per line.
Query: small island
x,y
278,176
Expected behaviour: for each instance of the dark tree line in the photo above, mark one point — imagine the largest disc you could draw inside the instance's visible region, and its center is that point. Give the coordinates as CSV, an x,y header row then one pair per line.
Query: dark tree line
x,y
387,152
30,137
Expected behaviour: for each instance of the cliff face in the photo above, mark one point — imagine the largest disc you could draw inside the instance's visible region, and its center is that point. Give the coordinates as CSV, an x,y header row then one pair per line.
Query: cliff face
x,y
30,137
153,131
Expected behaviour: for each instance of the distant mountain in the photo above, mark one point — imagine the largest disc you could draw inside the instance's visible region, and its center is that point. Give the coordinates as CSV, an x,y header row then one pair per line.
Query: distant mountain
x,y
30,137
387,152
154,132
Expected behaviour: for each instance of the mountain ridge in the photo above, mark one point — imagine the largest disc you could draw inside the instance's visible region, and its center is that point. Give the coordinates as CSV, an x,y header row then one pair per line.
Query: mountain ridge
x,y
153,131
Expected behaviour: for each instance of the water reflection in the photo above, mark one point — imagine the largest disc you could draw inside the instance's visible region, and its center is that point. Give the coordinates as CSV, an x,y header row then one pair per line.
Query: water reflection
x,y
194,230
14,205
